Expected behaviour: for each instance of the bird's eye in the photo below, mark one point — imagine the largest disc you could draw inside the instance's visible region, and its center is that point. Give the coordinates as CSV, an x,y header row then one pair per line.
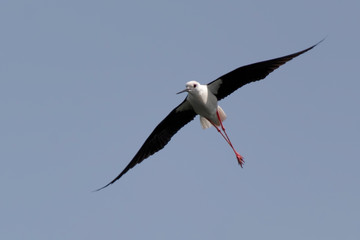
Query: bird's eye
x,y
195,85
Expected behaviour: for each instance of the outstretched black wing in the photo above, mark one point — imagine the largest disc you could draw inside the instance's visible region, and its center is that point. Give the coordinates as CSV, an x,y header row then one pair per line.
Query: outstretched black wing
x,y
230,82
177,118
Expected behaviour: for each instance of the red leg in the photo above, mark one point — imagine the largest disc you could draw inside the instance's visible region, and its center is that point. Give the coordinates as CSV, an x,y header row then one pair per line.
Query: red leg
x,y
226,137
221,133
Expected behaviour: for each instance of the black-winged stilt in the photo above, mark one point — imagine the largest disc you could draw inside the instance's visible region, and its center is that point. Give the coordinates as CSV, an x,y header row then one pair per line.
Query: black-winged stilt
x,y
203,100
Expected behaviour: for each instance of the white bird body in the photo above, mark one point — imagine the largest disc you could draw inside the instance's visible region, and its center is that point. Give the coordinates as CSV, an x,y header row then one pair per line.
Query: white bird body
x,y
204,103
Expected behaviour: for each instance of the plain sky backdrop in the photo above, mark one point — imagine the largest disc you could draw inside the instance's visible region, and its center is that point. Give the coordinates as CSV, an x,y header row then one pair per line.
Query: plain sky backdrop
x,y
83,84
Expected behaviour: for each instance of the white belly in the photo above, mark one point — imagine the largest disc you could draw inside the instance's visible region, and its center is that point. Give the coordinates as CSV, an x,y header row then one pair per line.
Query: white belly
x,y
205,104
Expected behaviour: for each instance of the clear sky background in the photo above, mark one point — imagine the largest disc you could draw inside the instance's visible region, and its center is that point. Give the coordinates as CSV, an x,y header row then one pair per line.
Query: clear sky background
x,y
83,84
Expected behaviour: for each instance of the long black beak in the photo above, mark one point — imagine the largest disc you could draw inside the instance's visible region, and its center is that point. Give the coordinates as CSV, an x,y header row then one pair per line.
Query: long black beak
x,y
185,90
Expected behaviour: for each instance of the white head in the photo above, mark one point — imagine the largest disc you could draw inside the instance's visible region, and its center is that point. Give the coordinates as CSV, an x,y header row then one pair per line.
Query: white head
x,y
191,87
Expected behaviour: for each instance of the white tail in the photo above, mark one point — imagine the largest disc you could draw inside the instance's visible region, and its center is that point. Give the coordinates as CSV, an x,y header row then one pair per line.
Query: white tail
x,y
222,114
206,123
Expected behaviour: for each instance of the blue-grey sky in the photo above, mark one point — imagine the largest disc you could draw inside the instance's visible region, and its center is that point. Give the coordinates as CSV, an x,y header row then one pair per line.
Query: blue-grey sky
x,y
83,84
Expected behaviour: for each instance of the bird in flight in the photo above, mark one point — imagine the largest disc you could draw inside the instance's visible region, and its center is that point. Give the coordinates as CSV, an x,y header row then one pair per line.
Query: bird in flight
x,y
203,100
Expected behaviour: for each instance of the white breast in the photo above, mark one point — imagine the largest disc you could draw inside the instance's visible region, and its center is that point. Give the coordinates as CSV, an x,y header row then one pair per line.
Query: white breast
x,y
203,102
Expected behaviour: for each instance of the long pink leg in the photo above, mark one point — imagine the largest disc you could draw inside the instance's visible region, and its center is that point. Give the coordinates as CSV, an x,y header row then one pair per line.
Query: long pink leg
x,y
227,140
238,156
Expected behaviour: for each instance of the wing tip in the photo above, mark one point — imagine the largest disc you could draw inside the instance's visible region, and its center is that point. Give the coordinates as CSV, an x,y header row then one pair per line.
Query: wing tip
x,y
99,189
315,45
